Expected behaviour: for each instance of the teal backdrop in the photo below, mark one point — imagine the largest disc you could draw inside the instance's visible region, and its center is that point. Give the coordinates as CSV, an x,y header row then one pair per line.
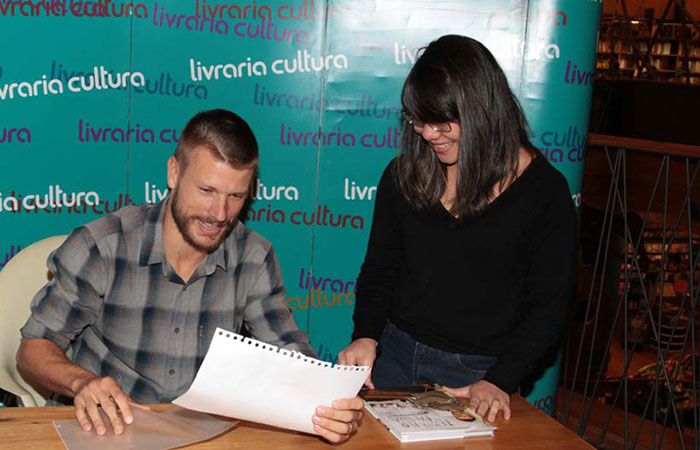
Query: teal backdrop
x,y
93,95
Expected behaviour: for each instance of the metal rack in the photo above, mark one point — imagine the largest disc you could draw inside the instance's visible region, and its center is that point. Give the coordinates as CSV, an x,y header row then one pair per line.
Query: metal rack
x,y
631,370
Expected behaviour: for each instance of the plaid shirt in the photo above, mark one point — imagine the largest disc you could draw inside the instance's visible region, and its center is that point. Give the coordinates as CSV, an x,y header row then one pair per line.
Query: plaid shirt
x,y
117,303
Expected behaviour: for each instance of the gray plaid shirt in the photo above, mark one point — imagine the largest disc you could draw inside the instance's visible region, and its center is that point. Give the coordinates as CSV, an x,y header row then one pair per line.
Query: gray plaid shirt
x,y
120,307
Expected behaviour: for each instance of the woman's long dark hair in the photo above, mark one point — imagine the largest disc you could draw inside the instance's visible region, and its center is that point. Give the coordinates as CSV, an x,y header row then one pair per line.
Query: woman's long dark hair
x,y
456,79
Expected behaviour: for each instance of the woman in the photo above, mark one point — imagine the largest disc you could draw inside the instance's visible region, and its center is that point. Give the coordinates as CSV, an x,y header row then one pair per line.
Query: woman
x,y
469,266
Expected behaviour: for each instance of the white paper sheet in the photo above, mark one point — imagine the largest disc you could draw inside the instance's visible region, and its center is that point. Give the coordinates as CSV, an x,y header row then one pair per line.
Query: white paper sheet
x,y
251,380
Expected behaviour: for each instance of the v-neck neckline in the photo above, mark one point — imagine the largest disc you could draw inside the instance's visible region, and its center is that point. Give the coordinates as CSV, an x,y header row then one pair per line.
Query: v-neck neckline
x,y
508,192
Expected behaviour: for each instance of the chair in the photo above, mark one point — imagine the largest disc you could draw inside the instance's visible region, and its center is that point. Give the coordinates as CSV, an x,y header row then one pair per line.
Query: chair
x,y
20,280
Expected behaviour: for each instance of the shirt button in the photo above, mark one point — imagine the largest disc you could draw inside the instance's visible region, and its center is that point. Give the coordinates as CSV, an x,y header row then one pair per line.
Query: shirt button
x,y
177,330
171,371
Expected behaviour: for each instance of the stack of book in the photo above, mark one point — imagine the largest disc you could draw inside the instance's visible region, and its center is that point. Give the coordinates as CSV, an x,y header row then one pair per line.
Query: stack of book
x,y
425,416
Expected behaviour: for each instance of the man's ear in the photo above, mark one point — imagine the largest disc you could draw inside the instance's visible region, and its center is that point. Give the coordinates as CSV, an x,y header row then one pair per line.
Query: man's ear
x,y
174,169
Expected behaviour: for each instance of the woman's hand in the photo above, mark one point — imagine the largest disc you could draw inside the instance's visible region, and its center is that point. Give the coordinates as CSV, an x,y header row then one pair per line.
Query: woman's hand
x,y
484,397
360,352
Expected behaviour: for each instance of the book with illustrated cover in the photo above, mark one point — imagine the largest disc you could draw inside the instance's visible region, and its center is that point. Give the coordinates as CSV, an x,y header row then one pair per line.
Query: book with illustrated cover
x,y
410,420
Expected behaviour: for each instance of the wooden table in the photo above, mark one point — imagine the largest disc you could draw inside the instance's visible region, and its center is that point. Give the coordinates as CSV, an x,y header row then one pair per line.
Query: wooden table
x,y
529,428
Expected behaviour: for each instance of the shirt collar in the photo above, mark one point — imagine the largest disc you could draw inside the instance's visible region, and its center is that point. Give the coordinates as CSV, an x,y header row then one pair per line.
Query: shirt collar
x,y
152,250
217,258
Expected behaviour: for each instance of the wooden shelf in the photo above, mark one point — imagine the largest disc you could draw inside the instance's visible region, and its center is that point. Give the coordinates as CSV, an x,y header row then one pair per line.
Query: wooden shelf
x,y
653,55
667,50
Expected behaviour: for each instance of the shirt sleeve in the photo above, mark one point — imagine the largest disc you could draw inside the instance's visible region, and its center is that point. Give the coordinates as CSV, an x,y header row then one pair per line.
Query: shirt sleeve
x,y
73,299
548,290
379,272
267,315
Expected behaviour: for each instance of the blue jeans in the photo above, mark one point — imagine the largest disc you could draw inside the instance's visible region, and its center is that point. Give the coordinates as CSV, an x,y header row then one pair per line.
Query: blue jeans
x,y
405,361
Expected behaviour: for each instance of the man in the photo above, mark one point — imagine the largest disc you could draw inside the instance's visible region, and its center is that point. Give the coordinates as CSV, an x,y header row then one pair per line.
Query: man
x,y
137,294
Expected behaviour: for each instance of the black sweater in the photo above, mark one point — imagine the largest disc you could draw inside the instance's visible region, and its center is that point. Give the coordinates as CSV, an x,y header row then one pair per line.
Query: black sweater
x,y
498,285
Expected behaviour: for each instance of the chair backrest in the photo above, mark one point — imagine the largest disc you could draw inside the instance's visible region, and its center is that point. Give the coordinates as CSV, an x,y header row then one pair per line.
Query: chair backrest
x,y
20,280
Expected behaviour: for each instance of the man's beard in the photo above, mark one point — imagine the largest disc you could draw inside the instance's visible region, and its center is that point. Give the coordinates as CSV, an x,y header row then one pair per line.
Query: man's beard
x,y
184,221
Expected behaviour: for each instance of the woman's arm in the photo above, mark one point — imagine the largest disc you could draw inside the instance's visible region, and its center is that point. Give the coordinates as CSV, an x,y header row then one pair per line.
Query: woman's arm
x,y
548,290
375,285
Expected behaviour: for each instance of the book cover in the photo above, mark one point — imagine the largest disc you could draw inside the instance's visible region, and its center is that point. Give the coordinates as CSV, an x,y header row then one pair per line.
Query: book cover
x,y
409,421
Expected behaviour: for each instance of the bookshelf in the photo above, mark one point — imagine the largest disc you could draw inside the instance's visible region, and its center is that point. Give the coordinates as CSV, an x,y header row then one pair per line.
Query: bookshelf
x,y
624,44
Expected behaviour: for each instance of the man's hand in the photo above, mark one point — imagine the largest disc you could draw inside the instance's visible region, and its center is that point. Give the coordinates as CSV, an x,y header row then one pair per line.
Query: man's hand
x,y
93,392
338,423
484,397
361,352
44,365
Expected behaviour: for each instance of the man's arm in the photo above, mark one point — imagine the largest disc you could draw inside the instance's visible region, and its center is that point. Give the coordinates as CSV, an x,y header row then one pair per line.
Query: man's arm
x,y
266,314
71,301
44,364
269,319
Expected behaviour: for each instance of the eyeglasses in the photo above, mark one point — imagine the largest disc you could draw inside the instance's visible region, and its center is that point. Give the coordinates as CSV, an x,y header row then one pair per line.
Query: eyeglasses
x,y
419,124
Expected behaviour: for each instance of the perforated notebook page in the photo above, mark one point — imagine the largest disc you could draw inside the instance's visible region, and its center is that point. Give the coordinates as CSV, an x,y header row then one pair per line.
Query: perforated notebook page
x,y
251,380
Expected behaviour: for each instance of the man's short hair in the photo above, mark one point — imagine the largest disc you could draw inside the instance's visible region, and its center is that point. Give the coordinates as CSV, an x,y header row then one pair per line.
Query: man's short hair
x,y
225,134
